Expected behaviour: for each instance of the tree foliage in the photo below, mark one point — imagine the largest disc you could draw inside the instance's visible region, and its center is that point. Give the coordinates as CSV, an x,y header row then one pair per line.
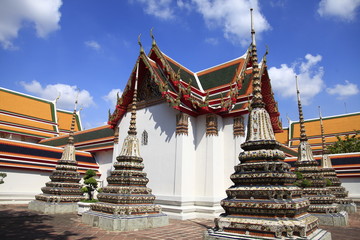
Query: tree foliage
x,y
301,181
2,175
351,143
90,183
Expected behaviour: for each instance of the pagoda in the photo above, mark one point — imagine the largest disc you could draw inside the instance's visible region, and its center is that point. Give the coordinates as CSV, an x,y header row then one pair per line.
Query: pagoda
x,y
263,203
340,193
63,192
127,204
311,179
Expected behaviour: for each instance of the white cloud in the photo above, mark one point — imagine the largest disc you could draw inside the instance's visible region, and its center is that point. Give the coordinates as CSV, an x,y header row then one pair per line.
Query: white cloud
x,y
93,44
344,90
309,74
233,16
158,8
183,4
43,14
342,9
67,93
111,97
212,41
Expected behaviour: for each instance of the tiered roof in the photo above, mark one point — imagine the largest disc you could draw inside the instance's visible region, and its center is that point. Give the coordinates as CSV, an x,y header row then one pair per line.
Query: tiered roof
x,y
33,117
64,118
91,140
339,125
225,89
345,164
36,157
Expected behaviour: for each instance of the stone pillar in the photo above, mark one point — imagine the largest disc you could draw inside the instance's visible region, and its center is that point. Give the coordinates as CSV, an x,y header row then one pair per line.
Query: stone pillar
x,y
184,157
214,173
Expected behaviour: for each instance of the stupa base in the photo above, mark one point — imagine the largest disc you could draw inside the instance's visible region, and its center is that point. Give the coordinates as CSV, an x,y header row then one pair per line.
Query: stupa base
x,y
124,222
319,234
52,208
333,219
349,208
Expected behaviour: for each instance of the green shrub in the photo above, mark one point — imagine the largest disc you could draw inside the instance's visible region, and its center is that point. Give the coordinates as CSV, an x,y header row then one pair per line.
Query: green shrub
x,y
299,175
303,183
90,183
89,201
2,175
328,182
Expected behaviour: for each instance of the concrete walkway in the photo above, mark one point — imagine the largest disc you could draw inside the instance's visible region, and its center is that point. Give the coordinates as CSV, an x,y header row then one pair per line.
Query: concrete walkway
x,y
16,222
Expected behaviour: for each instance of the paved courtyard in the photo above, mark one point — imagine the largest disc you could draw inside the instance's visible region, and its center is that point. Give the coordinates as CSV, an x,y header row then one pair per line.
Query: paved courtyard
x,y
16,222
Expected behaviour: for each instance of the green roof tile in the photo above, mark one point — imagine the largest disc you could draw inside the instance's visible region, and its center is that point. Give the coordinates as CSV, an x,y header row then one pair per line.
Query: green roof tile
x,y
219,77
184,75
82,137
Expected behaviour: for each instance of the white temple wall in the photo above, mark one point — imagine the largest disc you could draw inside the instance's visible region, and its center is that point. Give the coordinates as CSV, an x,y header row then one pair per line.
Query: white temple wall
x,y
187,173
352,185
200,163
231,151
104,159
185,158
21,186
159,121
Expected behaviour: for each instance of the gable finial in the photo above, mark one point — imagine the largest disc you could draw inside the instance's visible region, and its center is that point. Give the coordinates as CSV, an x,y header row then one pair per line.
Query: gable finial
x,y
139,42
58,97
266,53
152,37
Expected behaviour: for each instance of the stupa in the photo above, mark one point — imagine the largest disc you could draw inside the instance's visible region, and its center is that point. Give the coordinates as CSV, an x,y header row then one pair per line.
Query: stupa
x,y
263,203
311,179
340,193
63,192
126,204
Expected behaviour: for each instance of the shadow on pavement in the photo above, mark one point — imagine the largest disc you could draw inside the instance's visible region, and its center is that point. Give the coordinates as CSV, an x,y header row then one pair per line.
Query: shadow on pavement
x,y
29,225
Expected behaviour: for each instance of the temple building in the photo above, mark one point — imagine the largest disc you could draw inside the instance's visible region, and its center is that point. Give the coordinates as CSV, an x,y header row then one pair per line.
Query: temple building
x,y
311,179
190,126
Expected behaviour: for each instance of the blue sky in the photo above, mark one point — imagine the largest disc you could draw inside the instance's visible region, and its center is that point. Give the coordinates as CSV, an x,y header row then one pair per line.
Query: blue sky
x,y
89,47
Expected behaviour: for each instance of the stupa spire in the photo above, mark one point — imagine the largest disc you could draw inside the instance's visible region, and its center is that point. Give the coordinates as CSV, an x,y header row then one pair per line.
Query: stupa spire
x,y
324,149
259,124
132,127
303,136
69,149
257,100
131,142
304,149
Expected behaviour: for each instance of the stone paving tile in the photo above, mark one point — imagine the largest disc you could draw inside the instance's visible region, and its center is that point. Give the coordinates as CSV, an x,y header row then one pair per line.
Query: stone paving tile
x,y
16,222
